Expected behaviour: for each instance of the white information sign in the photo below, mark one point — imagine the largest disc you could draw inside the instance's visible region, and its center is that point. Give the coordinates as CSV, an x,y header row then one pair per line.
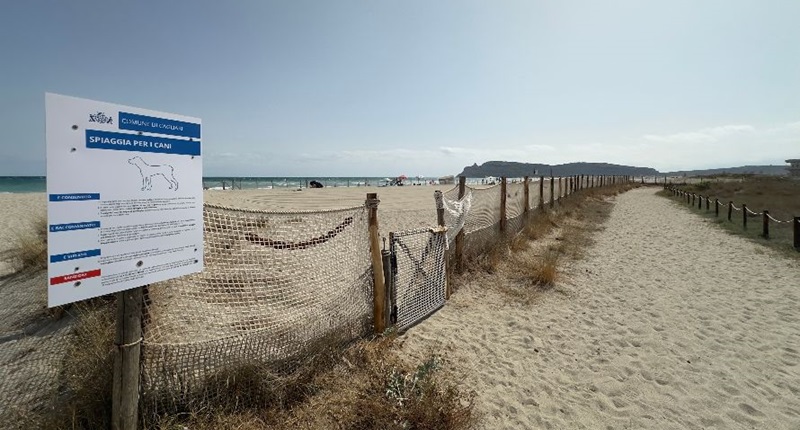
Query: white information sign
x,y
125,197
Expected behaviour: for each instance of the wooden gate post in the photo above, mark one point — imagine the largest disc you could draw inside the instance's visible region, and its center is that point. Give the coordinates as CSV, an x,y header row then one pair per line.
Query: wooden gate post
x,y
389,312
379,286
462,189
503,183
125,387
765,225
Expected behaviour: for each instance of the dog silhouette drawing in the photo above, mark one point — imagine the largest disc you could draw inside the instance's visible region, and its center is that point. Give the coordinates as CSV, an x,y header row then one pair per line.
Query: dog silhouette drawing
x,y
149,170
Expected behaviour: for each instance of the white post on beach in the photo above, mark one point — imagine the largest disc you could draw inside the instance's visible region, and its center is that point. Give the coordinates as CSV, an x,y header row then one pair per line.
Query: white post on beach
x,y
125,391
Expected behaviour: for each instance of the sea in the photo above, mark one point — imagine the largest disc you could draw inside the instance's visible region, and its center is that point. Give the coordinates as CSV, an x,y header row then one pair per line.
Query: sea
x,y
38,184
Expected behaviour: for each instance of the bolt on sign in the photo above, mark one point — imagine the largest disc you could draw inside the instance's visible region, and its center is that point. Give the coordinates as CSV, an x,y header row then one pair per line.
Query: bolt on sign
x,y
125,197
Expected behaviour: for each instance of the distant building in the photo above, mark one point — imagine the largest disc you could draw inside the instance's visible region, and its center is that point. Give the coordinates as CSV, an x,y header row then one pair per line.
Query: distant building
x,y
447,180
794,167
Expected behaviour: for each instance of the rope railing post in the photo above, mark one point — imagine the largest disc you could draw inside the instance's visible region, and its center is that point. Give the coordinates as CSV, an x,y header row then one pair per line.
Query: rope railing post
x,y
708,203
503,185
730,211
744,216
716,208
796,225
379,286
765,225
462,190
552,191
700,202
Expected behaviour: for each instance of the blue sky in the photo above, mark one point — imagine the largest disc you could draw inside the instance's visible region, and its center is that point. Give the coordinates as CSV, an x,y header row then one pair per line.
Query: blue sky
x,y
375,88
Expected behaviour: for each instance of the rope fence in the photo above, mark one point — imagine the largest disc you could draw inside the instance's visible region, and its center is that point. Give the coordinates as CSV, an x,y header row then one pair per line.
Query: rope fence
x,y
766,218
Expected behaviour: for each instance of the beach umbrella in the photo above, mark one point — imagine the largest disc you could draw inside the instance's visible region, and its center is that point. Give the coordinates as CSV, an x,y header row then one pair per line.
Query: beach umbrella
x,y
402,177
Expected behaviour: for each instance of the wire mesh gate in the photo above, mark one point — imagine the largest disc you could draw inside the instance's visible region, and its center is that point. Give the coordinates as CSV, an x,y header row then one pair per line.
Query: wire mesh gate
x,y
419,277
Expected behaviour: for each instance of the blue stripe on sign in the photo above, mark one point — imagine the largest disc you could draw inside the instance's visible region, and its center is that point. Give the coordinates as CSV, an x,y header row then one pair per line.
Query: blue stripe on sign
x,y
131,142
74,255
74,226
132,121
74,197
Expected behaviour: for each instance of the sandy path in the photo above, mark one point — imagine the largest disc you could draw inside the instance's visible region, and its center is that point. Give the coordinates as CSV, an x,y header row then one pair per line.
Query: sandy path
x,y
668,323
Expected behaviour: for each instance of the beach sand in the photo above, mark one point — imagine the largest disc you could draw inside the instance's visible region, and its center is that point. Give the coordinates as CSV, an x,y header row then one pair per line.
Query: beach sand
x,y
669,322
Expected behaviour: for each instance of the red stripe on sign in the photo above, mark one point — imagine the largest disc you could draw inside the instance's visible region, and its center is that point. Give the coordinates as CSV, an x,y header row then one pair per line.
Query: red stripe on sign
x,y
74,277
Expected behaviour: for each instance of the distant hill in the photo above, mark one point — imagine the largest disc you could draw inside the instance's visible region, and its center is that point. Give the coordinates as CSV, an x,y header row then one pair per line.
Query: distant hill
x,y
755,170
513,169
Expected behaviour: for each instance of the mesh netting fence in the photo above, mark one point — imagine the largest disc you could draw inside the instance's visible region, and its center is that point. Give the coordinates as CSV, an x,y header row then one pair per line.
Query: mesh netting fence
x,y
419,276
276,287
455,213
533,193
485,208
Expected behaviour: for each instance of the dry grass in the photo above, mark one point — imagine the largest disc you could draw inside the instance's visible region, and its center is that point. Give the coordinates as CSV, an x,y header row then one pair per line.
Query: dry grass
x,y
537,271
85,396
28,250
488,261
367,387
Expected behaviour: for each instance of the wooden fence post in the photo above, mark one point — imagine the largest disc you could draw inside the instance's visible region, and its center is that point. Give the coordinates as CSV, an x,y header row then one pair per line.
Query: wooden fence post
x,y
526,192
716,208
765,226
708,203
552,191
730,210
437,195
128,340
541,192
503,182
592,181
744,216
796,225
379,287
462,188
699,202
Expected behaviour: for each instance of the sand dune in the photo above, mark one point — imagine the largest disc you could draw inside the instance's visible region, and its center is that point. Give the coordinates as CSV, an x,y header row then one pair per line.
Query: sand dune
x,y
668,322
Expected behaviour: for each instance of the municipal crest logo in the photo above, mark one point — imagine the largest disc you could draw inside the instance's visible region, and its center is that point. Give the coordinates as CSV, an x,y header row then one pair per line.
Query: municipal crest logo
x,y
101,118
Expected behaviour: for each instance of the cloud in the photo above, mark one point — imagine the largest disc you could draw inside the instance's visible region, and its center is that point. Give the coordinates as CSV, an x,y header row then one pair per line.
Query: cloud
x,y
706,135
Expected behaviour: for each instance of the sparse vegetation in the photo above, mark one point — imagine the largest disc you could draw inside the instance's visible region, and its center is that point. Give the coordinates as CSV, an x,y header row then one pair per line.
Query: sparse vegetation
x,y
84,399
531,261
28,250
779,195
367,387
